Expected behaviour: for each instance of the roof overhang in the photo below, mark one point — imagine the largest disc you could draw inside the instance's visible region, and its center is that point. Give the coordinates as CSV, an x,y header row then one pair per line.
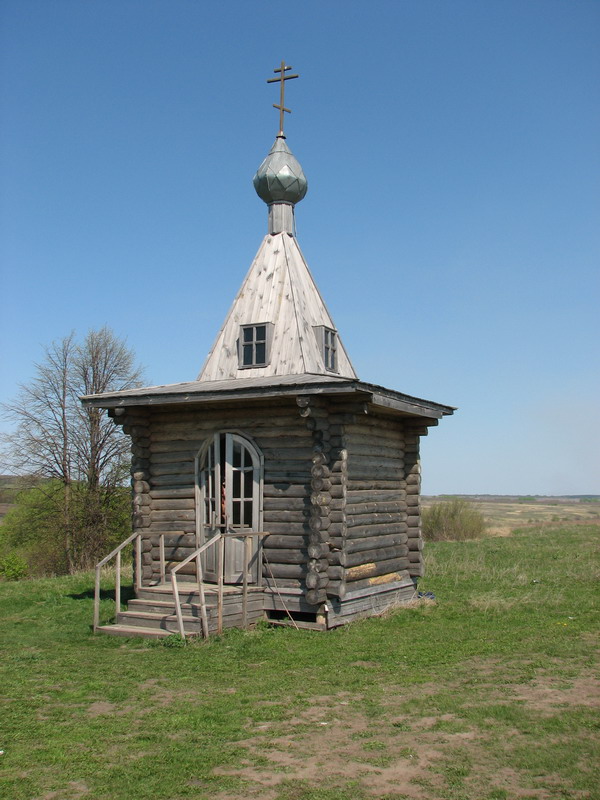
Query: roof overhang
x,y
203,392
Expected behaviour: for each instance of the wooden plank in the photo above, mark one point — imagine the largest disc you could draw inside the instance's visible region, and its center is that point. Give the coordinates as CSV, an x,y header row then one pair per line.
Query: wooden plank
x,y
358,472
178,481
173,515
301,502
287,556
377,581
374,483
361,520
279,517
285,571
285,541
172,540
283,491
375,555
173,504
173,456
392,495
179,525
287,584
367,543
176,468
378,507
303,454
375,569
375,450
186,492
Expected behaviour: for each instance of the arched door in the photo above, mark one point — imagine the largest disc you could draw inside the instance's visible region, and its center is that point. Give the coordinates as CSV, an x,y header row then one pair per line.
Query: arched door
x,y
229,479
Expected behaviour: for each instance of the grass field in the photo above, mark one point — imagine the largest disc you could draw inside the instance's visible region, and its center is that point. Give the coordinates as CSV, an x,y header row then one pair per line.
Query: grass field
x,y
491,692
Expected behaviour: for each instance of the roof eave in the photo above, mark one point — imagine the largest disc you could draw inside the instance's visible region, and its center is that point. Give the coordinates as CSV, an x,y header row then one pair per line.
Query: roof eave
x,y
370,393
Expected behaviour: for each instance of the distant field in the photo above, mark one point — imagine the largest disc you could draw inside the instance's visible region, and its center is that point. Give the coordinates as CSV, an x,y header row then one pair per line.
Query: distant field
x,y
502,516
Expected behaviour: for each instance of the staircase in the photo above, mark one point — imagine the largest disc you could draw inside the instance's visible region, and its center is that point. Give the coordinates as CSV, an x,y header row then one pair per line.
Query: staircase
x,y
151,614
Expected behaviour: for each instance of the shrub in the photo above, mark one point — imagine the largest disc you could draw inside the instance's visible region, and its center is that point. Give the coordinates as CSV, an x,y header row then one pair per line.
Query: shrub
x,y
13,567
35,527
452,520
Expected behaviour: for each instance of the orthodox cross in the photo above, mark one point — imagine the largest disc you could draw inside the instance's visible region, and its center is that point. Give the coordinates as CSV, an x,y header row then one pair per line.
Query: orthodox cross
x,y
281,79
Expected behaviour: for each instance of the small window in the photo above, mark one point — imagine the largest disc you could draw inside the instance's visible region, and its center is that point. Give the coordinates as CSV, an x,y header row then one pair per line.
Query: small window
x,y
254,345
327,339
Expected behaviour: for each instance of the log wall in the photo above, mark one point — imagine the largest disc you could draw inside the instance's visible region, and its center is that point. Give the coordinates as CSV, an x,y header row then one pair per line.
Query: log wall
x,y
413,502
136,423
163,480
340,495
372,551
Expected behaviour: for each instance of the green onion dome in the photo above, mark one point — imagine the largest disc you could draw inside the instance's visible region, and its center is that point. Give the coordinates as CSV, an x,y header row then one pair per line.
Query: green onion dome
x,y
280,178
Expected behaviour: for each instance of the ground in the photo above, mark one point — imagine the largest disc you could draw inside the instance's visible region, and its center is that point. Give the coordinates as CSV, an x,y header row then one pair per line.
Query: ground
x,y
490,691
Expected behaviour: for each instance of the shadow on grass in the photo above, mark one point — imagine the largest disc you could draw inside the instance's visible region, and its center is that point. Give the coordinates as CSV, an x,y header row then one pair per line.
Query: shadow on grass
x,y
127,593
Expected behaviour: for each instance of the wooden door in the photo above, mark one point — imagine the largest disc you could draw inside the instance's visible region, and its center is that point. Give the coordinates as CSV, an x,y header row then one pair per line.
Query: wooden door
x,y
230,488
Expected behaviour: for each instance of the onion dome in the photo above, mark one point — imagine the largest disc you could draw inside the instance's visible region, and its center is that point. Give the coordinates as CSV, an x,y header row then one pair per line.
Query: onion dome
x,y
280,178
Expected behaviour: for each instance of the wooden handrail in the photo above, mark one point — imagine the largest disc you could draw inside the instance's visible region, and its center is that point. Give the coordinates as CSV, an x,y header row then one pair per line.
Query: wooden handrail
x,y
138,573
220,539
200,580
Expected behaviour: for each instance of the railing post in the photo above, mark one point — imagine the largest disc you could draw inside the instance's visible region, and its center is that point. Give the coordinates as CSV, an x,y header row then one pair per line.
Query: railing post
x,y
163,567
118,584
203,613
138,562
177,604
247,554
97,600
195,555
220,577
116,552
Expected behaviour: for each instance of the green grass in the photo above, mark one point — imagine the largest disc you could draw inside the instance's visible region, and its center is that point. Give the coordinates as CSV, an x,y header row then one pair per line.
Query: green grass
x,y
490,693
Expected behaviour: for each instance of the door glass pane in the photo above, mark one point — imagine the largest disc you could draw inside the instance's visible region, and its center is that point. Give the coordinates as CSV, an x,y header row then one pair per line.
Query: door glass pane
x,y
237,454
237,480
248,513
248,482
236,508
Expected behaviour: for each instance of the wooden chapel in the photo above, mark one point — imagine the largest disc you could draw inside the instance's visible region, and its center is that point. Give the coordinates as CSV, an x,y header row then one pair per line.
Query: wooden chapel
x,y
277,485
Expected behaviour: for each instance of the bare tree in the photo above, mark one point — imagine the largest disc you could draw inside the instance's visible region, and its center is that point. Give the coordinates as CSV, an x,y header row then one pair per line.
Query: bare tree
x,y
57,438
45,415
102,363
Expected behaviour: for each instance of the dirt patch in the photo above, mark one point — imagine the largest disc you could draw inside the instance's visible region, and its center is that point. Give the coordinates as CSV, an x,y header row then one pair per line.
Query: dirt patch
x,y
332,752
100,708
334,742
160,696
547,694
331,743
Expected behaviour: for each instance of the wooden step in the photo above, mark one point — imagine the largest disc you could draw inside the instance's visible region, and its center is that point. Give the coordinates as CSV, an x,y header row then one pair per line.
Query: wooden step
x,y
132,632
168,607
165,593
164,622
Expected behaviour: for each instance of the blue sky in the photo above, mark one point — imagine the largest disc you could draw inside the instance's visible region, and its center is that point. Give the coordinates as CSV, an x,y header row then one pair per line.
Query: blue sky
x,y
451,223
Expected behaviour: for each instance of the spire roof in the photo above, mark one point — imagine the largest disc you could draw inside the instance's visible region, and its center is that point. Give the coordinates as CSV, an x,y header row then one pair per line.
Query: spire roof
x,y
279,295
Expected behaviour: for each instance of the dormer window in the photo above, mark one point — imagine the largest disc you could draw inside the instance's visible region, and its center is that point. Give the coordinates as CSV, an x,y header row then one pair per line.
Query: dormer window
x,y
327,339
254,345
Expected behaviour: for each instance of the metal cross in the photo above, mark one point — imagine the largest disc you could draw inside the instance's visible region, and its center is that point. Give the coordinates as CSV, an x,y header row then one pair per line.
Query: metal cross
x,y
281,79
